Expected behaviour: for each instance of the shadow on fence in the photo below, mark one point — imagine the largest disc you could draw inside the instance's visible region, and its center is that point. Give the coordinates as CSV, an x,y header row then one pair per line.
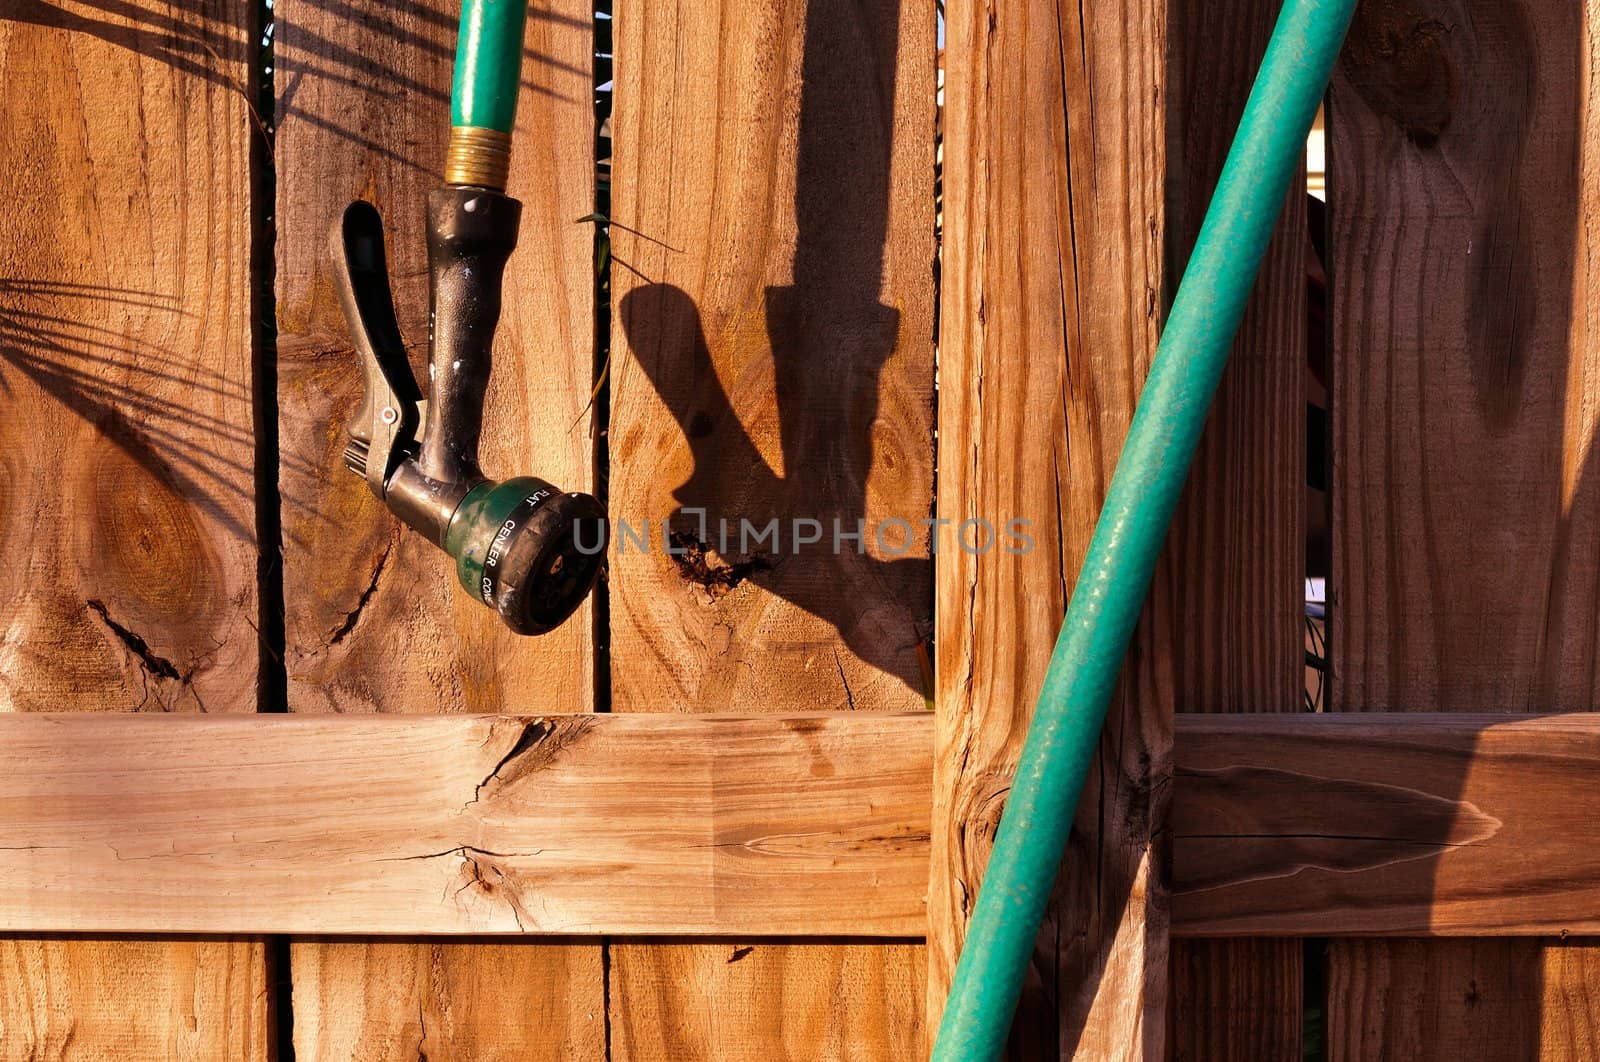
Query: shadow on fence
x,y
830,338
211,42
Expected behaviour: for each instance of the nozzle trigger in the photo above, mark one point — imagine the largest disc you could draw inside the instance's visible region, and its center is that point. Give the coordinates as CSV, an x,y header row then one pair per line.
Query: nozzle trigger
x,y
383,431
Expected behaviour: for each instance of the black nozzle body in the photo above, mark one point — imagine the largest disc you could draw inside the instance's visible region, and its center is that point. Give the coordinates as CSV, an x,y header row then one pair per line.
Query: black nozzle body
x,y
471,234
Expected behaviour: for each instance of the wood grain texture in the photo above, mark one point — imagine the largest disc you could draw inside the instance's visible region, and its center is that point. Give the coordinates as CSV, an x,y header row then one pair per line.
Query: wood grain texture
x,y
1238,998
1386,825
1236,553
772,347
1569,1010
375,620
125,339
1052,278
771,1000
1404,998
68,998
1466,500
127,529
481,824
1464,505
372,1001
1237,548
1291,825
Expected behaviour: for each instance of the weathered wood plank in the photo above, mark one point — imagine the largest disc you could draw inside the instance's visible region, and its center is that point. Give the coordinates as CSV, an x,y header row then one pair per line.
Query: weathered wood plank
x,y
69,998
1237,549
1284,825
1466,504
374,616
773,351
773,999
127,527
378,1000
1387,825
465,824
773,239
1570,971
1052,277
1403,998
125,346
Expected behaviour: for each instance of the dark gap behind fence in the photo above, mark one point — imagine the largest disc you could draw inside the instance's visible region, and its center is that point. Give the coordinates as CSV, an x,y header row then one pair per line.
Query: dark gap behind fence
x,y
272,679
600,426
1319,558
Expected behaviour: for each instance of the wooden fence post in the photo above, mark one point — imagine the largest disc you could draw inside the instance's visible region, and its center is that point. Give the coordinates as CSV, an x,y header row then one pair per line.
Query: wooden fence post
x,y
1054,167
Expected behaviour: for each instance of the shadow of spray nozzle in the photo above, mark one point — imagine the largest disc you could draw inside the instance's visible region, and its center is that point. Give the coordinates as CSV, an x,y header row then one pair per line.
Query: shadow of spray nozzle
x,y
516,541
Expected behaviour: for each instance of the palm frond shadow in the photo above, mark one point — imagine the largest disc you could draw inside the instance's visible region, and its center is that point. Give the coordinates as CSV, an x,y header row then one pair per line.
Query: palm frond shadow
x,y
146,399
375,52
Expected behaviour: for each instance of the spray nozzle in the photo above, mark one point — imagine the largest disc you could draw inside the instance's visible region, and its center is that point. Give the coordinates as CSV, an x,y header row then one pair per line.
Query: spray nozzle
x,y
523,547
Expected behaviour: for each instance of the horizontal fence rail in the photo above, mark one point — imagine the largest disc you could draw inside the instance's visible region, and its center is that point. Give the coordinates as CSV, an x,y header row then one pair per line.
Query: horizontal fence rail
x,y
813,825
576,824
1386,825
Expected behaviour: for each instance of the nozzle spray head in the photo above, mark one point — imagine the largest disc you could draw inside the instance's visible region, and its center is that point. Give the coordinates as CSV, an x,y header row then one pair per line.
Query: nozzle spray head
x,y
527,550
523,547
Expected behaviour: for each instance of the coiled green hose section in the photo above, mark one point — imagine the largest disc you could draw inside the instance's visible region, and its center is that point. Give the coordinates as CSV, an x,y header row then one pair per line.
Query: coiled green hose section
x,y
1133,524
488,64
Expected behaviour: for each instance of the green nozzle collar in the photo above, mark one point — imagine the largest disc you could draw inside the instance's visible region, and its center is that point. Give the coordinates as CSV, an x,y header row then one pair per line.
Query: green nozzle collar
x,y
483,525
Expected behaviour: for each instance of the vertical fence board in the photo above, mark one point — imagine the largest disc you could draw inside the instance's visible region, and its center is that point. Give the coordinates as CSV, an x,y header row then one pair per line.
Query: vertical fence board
x,y
374,619
1054,149
127,527
1236,999
1238,548
1466,500
1569,1026
773,242
500,1001
1436,999
133,999
764,999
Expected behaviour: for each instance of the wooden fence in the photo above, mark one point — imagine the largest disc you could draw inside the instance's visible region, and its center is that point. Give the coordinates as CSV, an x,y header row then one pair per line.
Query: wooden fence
x,y
791,319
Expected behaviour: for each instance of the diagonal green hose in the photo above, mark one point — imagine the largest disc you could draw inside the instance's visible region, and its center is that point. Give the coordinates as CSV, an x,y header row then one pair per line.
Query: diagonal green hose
x,y
488,64
1133,524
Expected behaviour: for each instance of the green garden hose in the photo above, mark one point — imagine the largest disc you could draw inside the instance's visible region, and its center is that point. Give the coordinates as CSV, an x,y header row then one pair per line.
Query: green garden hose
x,y
1133,524
483,98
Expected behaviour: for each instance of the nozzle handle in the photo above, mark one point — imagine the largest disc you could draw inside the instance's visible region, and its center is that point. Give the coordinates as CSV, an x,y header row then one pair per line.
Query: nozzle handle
x,y
471,234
